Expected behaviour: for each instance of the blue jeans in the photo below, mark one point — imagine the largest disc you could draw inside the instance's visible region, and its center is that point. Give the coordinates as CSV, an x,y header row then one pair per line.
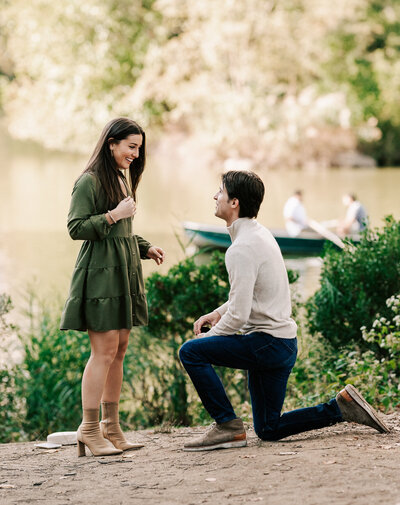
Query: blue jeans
x,y
269,361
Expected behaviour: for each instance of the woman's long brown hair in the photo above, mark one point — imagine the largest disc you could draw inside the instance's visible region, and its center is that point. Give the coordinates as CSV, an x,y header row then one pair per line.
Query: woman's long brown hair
x,y
103,165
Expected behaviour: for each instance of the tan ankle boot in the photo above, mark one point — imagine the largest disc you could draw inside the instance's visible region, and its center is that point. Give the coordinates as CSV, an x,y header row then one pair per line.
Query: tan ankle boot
x,y
89,434
111,429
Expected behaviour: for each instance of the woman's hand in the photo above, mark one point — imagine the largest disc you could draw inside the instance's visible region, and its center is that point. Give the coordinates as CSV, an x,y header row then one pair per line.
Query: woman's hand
x,y
156,254
126,208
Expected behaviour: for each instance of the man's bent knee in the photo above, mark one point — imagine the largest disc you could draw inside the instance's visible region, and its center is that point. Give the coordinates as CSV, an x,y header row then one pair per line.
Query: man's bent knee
x,y
187,352
268,436
269,432
184,351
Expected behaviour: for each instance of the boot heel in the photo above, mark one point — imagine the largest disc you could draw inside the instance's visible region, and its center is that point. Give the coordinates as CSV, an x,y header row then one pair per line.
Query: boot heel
x,y
81,449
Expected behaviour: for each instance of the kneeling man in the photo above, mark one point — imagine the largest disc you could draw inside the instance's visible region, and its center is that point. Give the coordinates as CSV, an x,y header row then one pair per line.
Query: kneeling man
x,y
254,331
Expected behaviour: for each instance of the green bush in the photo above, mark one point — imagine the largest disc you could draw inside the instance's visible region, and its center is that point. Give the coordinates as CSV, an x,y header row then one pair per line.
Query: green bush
x,y
41,394
11,404
321,371
354,285
53,364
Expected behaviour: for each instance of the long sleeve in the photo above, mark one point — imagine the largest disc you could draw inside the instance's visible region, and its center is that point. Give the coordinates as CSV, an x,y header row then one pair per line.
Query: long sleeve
x,y
222,308
242,272
144,246
84,221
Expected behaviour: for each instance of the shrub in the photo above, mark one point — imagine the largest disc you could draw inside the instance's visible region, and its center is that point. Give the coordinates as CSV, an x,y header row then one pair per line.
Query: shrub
x,y
53,364
321,371
385,333
10,402
354,285
42,393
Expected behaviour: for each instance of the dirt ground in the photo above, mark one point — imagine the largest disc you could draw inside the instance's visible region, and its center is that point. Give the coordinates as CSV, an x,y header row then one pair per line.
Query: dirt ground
x,y
345,464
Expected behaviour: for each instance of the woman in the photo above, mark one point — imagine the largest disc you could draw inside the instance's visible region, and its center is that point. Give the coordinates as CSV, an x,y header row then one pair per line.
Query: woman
x,y
107,291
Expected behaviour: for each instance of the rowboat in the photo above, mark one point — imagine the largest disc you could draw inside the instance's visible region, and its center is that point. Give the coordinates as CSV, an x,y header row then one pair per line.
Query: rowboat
x,y
308,243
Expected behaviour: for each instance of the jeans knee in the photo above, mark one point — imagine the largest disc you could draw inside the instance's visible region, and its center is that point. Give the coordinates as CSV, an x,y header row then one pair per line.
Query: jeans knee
x,y
268,433
268,436
183,351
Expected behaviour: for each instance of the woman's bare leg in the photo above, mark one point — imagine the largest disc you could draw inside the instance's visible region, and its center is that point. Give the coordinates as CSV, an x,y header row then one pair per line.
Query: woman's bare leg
x,y
113,384
110,426
104,348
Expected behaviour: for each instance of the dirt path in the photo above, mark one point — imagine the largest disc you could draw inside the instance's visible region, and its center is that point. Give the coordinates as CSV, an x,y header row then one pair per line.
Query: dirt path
x,y
345,464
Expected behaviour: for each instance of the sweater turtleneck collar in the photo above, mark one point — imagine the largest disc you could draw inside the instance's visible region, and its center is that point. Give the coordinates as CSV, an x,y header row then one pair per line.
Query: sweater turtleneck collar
x,y
239,225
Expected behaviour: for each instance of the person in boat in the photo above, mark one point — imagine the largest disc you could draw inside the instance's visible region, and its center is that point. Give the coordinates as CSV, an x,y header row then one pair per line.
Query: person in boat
x,y
356,218
295,214
254,331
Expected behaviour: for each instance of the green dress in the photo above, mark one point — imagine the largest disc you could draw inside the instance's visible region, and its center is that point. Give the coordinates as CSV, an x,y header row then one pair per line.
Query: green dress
x,y
107,288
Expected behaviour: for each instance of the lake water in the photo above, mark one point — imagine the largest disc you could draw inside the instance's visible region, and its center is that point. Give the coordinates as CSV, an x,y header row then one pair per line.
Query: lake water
x,y
35,189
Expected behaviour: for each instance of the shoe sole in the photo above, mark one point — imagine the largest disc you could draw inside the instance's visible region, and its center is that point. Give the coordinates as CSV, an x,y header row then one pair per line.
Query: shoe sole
x,y
223,445
356,396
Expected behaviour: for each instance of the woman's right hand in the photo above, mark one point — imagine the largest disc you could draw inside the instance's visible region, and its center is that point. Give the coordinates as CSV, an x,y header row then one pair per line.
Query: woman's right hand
x,y
125,208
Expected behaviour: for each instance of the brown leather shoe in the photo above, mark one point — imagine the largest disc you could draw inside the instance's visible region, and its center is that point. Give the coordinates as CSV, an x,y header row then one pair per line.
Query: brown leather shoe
x,y
354,408
220,436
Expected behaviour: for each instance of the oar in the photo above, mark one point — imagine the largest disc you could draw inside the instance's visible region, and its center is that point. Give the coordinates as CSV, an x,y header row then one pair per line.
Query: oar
x,y
325,233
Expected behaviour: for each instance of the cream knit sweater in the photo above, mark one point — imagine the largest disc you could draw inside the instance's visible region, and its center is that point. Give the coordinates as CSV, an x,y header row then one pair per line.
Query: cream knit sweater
x,y
259,298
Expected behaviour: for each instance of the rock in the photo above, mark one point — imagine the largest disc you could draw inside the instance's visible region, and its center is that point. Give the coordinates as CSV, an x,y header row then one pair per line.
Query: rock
x,y
62,437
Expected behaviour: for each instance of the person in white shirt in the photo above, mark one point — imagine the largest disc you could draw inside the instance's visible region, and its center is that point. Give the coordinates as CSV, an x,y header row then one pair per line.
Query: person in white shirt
x,y
295,214
254,331
356,218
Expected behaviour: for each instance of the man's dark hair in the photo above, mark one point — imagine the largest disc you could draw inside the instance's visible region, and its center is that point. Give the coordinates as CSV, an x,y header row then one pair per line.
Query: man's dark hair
x,y
248,188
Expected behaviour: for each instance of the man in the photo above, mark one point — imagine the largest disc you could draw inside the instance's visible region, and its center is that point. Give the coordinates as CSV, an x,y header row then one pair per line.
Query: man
x,y
356,218
295,214
253,331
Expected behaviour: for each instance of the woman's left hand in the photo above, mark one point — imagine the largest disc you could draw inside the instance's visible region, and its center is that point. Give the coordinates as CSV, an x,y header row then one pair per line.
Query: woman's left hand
x,y
156,254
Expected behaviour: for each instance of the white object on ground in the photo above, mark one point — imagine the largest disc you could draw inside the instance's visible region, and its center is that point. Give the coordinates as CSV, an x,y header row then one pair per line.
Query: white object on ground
x,y
47,445
62,437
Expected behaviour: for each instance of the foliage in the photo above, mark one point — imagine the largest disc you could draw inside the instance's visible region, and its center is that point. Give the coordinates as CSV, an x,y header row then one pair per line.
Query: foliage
x,y
385,333
294,75
384,146
52,369
41,394
52,52
365,62
321,371
10,401
354,285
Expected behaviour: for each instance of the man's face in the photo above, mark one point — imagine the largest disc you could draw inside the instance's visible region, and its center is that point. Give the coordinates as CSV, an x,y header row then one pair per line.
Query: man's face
x,y
223,206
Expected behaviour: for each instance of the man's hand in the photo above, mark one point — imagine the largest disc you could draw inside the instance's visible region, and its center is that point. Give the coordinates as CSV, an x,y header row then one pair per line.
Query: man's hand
x,y
211,319
156,254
